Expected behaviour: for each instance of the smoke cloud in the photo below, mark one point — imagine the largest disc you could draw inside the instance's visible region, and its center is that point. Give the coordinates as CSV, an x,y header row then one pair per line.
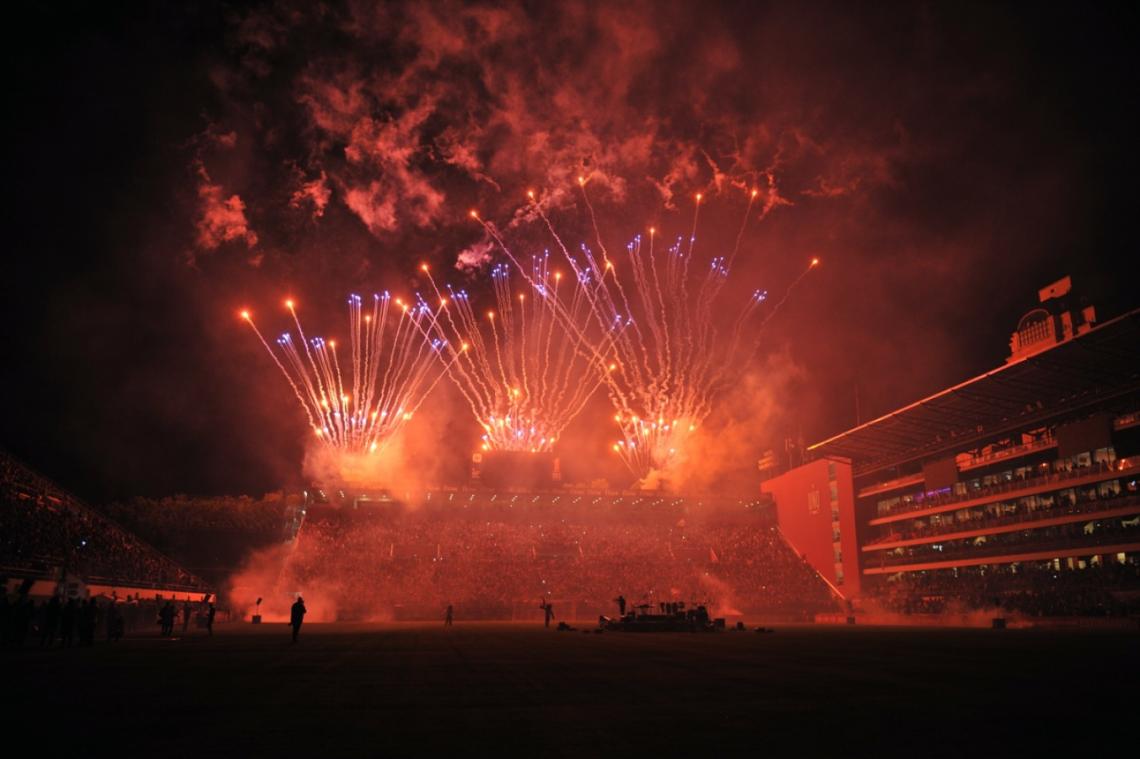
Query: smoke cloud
x,y
220,219
943,161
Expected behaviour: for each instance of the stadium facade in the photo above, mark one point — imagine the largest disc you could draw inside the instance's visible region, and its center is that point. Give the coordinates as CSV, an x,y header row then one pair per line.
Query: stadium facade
x,y
1031,467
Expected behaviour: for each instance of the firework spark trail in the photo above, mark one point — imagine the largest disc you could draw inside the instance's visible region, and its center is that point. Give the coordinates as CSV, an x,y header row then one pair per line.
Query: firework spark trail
x,y
523,377
664,376
364,416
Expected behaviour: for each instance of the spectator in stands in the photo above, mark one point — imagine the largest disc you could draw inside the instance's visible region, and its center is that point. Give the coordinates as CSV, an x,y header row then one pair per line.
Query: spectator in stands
x,y
42,528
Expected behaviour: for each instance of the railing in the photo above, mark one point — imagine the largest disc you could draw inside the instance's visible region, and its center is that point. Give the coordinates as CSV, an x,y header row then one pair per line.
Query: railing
x,y
1012,452
1126,421
987,550
883,487
1083,507
1012,486
149,584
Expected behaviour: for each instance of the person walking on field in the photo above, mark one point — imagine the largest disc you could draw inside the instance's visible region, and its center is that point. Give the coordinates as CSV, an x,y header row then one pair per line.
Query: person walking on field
x,y
547,610
297,616
621,605
450,616
187,610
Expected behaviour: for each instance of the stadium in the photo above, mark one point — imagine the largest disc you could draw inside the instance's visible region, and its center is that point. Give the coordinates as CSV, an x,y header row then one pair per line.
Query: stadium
x,y
1029,509
1012,495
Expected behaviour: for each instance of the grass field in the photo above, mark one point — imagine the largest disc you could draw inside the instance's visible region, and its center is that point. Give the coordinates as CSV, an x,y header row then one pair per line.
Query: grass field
x,y
483,688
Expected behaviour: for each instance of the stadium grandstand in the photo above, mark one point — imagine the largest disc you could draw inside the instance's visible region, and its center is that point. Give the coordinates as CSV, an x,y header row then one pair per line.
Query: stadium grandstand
x,y
497,554
1015,490
52,542
210,535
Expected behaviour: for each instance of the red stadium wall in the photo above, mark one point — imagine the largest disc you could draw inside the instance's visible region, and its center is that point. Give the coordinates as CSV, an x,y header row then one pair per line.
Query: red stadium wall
x,y
805,505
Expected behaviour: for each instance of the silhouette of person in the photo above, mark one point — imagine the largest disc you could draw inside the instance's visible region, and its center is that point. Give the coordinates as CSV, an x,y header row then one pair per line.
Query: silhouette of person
x,y
88,618
210,612
621,605
25,613
51,621
548,611
297,616
447,620
166,618
67,627
187,610
115,622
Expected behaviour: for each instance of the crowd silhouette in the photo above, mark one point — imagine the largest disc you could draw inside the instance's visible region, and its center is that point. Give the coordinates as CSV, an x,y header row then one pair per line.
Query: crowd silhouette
x,y
490,565
1035,589
44,529
60,622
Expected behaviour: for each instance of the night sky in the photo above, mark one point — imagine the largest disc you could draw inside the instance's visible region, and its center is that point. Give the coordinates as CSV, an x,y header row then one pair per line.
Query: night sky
x,y
170,165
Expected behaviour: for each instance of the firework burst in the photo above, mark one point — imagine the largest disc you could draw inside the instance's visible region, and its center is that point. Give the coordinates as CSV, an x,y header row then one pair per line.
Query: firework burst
x,y
524,375
664,343
392,367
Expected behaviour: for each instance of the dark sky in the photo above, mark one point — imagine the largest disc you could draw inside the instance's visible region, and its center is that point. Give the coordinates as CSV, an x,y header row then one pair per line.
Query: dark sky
x,y
172,164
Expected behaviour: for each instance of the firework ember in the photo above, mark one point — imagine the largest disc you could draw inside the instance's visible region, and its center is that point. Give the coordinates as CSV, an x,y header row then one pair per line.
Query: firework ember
x,y
392,368
664,345
524,375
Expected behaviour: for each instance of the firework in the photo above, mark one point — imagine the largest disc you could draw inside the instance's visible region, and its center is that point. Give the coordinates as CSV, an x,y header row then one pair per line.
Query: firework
x,y
666,342
393,366
523,374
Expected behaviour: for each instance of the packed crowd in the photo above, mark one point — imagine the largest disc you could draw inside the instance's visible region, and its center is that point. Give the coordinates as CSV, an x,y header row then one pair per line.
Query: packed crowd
x,y
1090,500
208,535
1093,533
45,530
490,565
1061,473
1039,589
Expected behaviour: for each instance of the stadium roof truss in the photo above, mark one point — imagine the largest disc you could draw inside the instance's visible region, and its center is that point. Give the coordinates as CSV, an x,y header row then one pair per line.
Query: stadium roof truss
x,y
1096,370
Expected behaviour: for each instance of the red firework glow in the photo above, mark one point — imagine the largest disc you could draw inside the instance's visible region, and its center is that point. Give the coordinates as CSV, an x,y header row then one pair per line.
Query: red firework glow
x,y
523,374
392,369
662,344
649,325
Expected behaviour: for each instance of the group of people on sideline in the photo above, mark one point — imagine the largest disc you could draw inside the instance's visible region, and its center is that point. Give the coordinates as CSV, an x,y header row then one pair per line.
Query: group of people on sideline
x,y
65,622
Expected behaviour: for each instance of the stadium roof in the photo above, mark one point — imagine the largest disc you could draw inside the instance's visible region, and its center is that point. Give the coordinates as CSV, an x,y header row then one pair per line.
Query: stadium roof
x,y
1089,371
